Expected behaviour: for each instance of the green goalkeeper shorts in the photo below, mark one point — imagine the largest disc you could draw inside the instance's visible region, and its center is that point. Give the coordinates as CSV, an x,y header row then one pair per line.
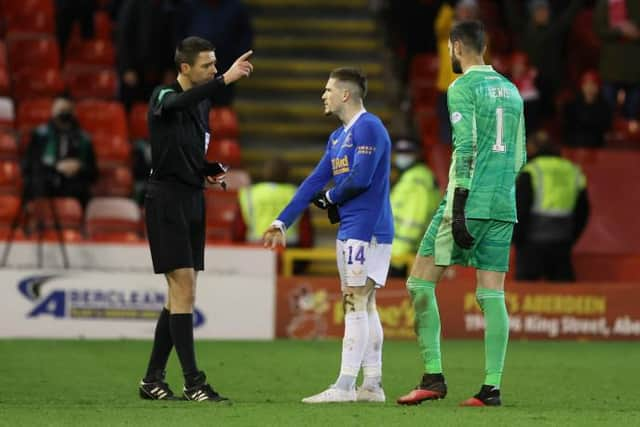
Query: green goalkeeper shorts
x,y
490,250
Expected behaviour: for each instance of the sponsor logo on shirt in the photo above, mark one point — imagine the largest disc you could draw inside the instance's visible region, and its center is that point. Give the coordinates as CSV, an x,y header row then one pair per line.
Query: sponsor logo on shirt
x,y
340,165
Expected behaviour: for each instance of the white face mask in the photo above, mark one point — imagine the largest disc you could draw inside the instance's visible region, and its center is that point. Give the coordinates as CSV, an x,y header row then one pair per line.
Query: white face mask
x,y
404,160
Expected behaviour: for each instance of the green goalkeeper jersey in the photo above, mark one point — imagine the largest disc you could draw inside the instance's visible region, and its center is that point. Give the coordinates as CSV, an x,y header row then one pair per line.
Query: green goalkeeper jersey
x,y
487,121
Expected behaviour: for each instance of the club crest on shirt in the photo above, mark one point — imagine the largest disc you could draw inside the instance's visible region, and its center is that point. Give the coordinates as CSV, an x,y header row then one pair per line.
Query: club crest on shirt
x,y
456,117
334,142
347,141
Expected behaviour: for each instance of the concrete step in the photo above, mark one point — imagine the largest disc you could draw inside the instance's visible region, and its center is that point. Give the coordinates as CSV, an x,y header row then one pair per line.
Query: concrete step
x,y
293,110
289,43
307,67
315,4
305,24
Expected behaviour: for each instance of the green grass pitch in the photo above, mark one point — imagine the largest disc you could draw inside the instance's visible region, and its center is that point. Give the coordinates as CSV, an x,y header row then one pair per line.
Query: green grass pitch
x,y
93,383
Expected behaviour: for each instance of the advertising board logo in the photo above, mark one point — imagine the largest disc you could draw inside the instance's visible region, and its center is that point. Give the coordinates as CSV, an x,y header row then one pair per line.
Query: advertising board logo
x,y
88,303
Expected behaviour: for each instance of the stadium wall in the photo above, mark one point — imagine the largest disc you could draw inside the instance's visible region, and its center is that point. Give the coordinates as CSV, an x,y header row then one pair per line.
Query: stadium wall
x,y
236,294
311,307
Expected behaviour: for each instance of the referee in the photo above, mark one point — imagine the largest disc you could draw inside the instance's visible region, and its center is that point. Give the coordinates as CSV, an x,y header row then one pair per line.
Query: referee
x,y
174,207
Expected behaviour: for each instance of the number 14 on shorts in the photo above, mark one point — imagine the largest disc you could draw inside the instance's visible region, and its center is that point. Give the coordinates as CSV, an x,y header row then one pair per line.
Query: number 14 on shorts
x,y
359,254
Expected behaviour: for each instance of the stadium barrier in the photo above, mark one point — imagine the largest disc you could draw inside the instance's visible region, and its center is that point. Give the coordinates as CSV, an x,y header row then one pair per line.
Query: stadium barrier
x,y
311,307
111,292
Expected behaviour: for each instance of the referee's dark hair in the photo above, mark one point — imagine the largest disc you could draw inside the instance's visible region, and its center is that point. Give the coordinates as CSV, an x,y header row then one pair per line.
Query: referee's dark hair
x,y
352,75
188,50
471,34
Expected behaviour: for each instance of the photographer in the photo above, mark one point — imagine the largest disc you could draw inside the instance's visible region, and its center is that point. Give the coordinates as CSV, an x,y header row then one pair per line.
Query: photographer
x,y
59,161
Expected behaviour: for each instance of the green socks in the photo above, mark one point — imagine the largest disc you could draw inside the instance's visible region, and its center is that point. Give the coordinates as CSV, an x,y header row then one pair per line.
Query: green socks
x,y
427,327
496,333
426,322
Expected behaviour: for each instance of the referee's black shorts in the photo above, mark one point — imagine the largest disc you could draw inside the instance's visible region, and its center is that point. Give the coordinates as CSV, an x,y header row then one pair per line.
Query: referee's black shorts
x,y
175,219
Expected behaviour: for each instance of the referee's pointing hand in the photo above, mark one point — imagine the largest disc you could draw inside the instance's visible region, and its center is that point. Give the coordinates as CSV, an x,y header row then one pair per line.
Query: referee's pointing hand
x,y
240,68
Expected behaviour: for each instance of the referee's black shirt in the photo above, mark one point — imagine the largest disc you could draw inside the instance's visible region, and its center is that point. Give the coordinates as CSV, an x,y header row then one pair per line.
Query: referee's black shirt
x,y
179,131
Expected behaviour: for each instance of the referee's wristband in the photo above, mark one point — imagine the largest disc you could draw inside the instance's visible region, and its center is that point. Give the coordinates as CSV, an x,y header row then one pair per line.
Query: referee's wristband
x,y
280,226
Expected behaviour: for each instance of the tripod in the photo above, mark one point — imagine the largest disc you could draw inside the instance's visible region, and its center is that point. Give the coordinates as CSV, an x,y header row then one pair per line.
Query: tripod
x,y
23,214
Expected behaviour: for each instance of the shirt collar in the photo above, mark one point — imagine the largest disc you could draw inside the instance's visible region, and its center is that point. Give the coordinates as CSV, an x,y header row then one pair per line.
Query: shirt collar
x,y
354,119
483,68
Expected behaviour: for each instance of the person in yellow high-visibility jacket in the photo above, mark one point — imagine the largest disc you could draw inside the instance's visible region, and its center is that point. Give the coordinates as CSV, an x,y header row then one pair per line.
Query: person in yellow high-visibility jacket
x,y
262,201
553,209
414,199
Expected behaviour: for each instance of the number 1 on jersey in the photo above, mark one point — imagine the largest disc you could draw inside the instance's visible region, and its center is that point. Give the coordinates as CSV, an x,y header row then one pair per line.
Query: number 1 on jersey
x,y
499,146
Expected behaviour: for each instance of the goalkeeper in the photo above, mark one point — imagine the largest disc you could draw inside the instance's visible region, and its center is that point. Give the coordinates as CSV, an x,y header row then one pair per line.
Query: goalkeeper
x,y
474,223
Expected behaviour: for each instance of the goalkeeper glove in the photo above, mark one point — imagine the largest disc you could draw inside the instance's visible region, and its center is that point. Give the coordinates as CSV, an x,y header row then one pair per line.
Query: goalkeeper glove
x,y
459,225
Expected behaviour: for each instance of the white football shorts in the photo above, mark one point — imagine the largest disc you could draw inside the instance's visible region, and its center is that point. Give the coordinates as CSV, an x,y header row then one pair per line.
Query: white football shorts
x,y
358,260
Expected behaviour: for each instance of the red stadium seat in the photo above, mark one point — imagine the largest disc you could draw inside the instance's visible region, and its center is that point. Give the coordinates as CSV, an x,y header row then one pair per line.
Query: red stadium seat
x,y
424,66
91,83
112,215
33,52
35,22
37,83
114,181
138,126
11,8
103,25
3,54
111,150
9,206
8,145
107,117
7,112
68,211
10,177
68,235
32,113
222,207
92,52
5,85
226,151
223,123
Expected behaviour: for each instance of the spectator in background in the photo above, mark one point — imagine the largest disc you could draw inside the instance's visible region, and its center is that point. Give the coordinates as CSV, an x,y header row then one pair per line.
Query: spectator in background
x,y
224,23
263,201
145,42
617,23
414,200
524,77
553,208
588,117
70,11
543,38
60,160
448,15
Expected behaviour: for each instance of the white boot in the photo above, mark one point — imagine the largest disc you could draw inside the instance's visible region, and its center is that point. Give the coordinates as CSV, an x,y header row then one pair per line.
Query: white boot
x,y
332,395
370,394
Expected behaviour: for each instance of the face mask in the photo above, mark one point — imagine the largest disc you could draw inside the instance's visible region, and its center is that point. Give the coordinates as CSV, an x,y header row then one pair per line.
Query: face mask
x,y
65,117
403,160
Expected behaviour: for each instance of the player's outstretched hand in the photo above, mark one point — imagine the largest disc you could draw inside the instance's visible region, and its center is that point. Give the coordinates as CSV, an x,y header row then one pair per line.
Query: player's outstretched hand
x,y
240,68
273,238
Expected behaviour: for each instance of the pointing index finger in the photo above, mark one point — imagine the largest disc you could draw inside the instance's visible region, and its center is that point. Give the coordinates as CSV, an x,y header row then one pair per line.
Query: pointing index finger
x,y
245,55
